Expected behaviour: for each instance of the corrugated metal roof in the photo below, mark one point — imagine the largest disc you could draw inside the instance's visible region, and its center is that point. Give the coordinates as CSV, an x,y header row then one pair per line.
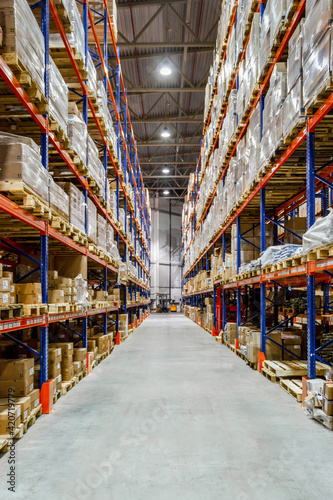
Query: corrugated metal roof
x,y
164,22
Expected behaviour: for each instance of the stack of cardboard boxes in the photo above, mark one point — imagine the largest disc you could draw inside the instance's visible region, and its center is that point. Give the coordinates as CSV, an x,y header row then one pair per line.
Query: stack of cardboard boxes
x,y
80,360
67,368
123,325
61,289
7,288
17,393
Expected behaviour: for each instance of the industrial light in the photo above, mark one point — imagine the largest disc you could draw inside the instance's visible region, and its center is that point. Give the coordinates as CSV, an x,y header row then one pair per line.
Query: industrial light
x,y
165,170
165,133
165,70
166,192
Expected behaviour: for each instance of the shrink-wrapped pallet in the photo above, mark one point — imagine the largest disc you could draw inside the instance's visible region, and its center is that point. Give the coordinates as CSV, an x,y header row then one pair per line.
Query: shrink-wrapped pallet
x,y
294,65
76,205
101,232
92,221
77,134
59,200
20,160
76,36
58,97
96,169
317,70
293,110
22,37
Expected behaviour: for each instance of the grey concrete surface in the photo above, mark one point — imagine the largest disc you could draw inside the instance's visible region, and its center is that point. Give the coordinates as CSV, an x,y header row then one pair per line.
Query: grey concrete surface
x,y
172,415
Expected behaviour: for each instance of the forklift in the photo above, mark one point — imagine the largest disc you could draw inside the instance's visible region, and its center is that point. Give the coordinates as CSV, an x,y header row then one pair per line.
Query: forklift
x,y
162,303
173,306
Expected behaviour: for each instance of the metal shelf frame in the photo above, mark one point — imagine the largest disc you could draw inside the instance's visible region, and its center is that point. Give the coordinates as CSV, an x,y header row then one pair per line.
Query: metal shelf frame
x,y
309,275
125,140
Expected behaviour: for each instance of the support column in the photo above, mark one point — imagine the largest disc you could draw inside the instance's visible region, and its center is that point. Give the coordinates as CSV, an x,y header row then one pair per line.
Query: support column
x,y
311,306
262,284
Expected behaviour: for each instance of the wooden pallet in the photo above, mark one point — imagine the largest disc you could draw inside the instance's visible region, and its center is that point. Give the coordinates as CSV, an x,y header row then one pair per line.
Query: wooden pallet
x,y
60,308
320,253
11,311
34,309
252,364
31,419
241,355
324,419
23,196
285,369
6,439
293,387
25,79
67,386
269,375
56,396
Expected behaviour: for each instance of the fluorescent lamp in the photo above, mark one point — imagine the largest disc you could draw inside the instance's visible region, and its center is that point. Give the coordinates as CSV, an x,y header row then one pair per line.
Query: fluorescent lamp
x,y
165,70
166,192
165,170
165,133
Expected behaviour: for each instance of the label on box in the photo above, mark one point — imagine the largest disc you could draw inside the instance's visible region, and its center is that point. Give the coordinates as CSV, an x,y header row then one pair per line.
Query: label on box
x,y
25,414
5,298
31,387
58,366
5,284
32,371
36,403
12,299
12,288
19,411
54,391
39,298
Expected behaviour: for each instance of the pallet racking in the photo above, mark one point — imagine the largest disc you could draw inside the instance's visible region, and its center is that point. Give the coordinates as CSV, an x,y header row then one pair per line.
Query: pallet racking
x,y
271,198
35,238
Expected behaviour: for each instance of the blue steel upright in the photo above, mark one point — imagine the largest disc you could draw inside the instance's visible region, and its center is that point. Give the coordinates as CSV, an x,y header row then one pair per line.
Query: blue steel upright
x,y
311,306
263,285
44,333
239,315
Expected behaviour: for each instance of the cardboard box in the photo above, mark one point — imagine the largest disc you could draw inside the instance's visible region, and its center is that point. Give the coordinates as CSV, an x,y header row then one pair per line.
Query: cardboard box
x,y
4,285
298,226
66,347
5,299
327,407
54,370
8,275
293,344
77,367
29,288
100,295
7,423
17,388
328,390
54,354
24,403
34,399
80,354
67,373
15,369
56,296
29,299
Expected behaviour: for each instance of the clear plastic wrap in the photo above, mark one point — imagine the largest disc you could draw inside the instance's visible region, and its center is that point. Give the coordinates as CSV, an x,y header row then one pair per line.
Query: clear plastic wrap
x,y
82,292
77,134
96,168
59,200
317,69
92,221
76,37
22,35
20,160
58,98
76,205
317,22
294,66
319,234
101,232
109,238
293,110
275,254
92,76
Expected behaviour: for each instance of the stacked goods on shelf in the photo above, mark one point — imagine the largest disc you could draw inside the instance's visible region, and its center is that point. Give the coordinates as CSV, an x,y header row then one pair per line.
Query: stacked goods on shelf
x,y
58,98
319,401
76,205
80,359
16,392
58,200
123,325
29,293
95,167
102,102
23,42
92,221
67,368
101,232
21,161
92,77
75,37
77,134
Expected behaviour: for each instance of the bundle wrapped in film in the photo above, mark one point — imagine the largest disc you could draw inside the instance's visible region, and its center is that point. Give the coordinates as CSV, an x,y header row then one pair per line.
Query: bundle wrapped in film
x,y
319,234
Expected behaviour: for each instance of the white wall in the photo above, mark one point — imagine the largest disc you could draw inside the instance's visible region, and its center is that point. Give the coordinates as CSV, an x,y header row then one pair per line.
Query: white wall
x,y
161,277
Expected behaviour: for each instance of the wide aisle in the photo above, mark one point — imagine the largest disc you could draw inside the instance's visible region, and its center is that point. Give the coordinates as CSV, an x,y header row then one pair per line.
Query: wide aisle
x,y
173,415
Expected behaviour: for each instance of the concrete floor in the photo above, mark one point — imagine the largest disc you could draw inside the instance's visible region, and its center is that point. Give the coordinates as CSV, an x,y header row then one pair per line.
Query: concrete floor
x,y
172,415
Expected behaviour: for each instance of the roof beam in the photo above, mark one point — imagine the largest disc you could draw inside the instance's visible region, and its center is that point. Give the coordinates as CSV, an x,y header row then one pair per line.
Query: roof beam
x,y
171,45
163,90
166,163
146,3
152,144
169,188
168,53
147,176
166,119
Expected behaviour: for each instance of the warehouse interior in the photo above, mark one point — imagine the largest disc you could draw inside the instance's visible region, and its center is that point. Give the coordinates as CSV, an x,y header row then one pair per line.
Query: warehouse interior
x,y
166,244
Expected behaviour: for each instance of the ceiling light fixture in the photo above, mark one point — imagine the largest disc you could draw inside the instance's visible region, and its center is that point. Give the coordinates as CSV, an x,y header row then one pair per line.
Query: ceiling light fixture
x,y
165,133
166,192
165,69
165,170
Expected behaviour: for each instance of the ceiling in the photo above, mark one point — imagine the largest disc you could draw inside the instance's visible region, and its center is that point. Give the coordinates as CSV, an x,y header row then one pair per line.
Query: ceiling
x,y
180,34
